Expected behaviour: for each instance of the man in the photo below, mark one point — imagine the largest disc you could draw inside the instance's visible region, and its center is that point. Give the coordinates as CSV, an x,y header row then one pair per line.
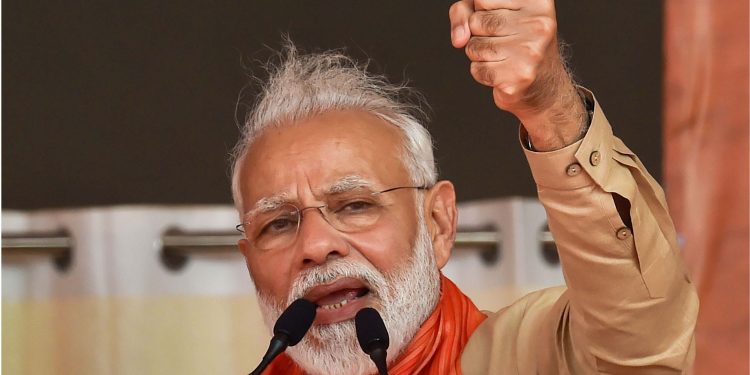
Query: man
x,y
337,190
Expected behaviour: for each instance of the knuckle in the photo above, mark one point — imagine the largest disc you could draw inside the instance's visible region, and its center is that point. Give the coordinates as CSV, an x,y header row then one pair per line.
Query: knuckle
x,y
486,23
488,75
469,49
474,69
545,26
480,49
535,54
513,92
492,23
524,82
482,73
502,98
526,75
472,49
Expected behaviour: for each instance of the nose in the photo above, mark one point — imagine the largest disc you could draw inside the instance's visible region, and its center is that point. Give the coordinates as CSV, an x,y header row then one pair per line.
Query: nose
x,y
317,241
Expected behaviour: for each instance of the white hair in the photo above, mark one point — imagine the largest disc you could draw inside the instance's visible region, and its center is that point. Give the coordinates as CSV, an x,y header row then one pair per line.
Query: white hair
x,y
302,86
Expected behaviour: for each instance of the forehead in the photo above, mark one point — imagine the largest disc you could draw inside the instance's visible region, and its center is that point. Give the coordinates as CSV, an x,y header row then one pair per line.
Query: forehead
x,y
313,153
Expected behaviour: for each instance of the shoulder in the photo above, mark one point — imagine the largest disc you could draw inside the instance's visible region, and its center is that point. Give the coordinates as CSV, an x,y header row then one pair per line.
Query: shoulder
x,y
523,312
504,342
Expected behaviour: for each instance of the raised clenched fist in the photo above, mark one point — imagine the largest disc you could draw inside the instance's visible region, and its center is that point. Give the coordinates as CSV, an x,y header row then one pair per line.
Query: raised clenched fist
x,y
512,45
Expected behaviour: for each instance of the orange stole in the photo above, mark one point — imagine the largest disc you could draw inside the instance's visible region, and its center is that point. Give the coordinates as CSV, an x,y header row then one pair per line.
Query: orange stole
x,y
435,349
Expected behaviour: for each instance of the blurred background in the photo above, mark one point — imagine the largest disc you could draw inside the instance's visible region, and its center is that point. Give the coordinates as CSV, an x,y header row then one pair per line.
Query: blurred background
x,y
118,119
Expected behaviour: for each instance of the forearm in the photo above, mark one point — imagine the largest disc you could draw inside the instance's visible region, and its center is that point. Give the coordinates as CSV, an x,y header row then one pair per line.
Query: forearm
x,y
631,304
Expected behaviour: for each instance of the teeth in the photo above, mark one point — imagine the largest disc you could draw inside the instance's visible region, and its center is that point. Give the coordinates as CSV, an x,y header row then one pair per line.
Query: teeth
x,y
338,305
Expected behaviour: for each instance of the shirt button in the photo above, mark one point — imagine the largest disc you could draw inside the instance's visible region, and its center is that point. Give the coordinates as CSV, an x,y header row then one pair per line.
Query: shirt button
x,y
595,158
573,169
624,233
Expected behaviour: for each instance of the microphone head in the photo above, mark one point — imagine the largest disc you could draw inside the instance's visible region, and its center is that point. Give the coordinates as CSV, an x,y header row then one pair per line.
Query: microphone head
x,y
371,332
295,321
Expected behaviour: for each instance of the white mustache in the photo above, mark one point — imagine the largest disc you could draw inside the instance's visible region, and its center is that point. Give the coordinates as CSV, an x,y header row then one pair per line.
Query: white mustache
x,y
337,269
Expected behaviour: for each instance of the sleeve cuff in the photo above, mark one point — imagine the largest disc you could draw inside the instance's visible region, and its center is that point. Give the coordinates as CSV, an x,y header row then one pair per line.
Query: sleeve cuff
x,y
577,165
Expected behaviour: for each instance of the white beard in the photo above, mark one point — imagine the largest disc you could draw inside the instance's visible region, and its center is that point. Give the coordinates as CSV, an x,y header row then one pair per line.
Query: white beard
x,y
332,349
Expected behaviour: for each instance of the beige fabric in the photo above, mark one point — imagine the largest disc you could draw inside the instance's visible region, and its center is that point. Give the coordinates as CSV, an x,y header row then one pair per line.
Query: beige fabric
x,y
629,307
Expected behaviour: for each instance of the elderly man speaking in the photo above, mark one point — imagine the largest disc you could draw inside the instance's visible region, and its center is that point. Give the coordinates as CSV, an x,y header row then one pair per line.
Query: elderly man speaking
x,y
337,190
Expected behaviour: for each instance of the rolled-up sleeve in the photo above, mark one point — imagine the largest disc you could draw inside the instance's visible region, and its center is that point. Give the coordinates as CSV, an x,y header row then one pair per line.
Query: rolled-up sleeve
x,y
630,307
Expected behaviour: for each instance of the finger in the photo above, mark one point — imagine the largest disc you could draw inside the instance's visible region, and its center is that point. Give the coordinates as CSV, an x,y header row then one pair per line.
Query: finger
x,y
499,22
487,72
459,14
487,48
507,76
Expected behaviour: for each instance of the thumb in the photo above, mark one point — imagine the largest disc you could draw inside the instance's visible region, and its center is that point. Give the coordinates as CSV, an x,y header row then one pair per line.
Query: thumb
x,y
459,14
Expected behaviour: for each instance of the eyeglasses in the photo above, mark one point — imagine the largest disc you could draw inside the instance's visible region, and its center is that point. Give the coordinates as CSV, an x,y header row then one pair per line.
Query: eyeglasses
x,y
349,212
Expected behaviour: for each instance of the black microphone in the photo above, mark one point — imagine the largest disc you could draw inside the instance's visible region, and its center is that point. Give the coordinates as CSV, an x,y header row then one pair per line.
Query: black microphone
x,y
373,337
289,329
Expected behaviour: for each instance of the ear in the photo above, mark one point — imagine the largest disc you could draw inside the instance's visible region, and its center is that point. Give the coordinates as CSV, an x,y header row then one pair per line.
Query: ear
x,y
441,216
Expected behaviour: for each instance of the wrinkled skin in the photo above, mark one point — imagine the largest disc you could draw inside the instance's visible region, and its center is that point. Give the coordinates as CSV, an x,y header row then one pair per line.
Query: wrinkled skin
x,y
302,159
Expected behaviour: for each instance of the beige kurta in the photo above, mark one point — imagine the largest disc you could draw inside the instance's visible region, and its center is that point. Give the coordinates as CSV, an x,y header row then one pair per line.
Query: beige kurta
x,y
629,306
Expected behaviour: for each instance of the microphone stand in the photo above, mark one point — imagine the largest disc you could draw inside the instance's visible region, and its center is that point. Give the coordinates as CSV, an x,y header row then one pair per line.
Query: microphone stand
x,y
289,329
373,337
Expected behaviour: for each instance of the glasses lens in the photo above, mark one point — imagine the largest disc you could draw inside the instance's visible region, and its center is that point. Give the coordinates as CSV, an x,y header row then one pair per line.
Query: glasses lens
x,y
349,212
354,212
274,229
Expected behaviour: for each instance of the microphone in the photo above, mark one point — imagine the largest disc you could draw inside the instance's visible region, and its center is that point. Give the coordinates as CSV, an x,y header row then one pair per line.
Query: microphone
x,y
373,337
289,329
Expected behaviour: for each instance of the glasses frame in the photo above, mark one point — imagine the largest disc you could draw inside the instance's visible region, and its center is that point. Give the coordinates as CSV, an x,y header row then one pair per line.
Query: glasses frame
x,y
240,227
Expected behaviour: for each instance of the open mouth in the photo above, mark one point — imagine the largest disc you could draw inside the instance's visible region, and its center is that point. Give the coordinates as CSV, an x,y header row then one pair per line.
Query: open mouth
x,y
339,300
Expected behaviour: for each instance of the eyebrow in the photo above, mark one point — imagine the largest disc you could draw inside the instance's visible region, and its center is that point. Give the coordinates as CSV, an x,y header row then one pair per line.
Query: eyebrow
x,y
348,183
267,204
342,185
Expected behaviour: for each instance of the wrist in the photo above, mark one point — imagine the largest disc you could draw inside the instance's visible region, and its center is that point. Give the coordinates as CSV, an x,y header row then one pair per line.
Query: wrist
x,y
560,125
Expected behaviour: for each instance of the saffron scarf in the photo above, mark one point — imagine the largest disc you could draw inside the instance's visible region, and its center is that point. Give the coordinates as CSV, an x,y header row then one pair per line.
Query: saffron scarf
x,y
435,349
